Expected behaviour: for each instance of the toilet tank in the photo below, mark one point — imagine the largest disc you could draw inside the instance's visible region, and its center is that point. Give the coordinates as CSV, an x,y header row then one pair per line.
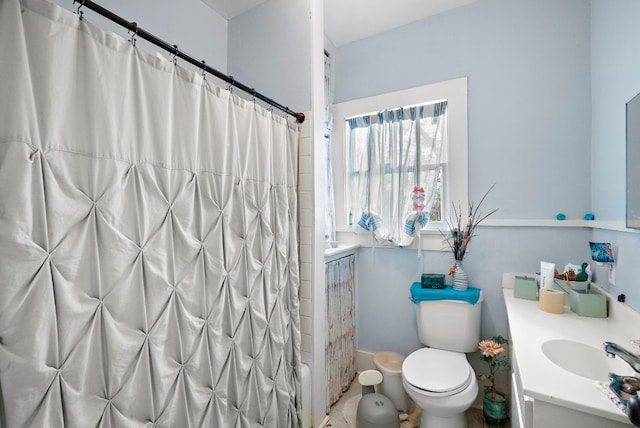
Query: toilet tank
x,y
450,325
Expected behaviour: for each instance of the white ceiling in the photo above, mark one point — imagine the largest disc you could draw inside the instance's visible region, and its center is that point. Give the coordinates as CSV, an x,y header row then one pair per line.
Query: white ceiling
x,y
346,21
230,8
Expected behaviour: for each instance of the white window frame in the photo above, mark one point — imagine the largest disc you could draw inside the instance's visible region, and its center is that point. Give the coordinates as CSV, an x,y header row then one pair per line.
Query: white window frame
x,y
456,171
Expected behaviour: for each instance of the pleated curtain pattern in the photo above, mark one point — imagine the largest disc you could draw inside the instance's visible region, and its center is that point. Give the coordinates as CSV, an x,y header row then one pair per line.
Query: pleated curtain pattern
x,y
149,267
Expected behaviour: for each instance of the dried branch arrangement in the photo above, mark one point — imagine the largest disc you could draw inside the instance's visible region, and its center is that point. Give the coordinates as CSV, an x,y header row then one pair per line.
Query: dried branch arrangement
x,y
460,233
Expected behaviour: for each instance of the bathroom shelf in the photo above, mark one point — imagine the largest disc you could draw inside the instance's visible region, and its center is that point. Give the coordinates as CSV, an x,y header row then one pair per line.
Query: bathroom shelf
x,y
618,226
536,223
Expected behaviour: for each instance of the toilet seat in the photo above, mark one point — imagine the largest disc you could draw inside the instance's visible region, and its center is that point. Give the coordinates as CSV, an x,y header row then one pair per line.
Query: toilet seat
x,y
437,372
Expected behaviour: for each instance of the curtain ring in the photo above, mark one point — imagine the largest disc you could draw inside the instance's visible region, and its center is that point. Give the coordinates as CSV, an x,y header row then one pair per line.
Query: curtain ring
x,y
135,33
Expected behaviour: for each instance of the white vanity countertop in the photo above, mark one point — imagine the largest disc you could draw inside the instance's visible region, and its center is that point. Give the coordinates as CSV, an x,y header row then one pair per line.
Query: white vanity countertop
x,y
542,379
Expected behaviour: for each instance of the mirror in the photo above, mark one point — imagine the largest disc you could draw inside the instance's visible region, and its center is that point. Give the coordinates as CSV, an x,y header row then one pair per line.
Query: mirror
x,y
633,163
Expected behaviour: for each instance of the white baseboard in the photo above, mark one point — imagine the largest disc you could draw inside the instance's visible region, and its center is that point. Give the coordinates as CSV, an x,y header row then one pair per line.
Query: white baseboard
x,y
324,422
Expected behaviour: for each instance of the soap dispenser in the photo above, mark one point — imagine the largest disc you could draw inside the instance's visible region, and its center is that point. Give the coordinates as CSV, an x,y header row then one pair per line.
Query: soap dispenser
x,y
582,275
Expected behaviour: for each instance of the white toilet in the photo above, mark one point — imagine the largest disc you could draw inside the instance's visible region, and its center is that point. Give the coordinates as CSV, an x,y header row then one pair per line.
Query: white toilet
x,y
439,378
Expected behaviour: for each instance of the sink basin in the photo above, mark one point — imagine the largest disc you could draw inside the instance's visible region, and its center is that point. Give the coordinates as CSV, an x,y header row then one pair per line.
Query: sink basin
x,y
583,360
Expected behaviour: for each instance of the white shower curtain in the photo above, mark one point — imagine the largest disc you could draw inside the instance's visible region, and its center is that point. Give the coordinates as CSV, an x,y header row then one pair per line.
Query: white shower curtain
x,y
148,244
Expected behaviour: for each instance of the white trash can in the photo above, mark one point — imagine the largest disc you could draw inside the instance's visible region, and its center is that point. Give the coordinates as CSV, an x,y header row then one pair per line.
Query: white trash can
x,y
390,365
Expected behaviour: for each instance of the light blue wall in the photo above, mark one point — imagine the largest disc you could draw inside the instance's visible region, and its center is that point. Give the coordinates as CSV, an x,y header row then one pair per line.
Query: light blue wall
x,y
529,94
269,51
192,25
385,315
615,64
529,68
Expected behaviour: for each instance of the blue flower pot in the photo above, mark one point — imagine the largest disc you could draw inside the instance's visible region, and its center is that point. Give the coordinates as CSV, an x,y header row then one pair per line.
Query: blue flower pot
x,y
495,410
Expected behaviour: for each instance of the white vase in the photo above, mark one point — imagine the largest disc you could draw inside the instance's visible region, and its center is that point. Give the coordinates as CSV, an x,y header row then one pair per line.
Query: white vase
x,y
460,281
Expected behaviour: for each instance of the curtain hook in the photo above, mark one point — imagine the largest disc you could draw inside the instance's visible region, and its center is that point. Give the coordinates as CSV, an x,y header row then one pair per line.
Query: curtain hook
x,y
175,55
253,95
231,83
78,11
204,68
135,33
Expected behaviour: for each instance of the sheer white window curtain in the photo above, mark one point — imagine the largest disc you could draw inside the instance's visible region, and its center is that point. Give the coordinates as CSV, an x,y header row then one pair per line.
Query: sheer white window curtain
x,y
390,154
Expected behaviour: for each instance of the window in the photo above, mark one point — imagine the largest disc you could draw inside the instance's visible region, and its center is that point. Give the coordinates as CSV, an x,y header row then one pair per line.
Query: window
x,y
448,174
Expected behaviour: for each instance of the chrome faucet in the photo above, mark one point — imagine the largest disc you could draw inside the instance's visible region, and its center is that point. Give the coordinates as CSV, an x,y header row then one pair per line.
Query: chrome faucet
x,y
613,349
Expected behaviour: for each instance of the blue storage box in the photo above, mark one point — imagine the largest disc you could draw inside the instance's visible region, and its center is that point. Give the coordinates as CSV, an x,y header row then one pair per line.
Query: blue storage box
x,y
432,280
525,288
588,303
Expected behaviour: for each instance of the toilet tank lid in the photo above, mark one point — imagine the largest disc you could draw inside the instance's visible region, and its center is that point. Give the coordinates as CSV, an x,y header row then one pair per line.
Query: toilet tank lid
x,y
470,295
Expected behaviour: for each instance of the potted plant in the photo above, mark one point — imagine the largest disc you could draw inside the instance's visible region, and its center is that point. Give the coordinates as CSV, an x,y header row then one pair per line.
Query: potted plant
x,y
459,237
494,403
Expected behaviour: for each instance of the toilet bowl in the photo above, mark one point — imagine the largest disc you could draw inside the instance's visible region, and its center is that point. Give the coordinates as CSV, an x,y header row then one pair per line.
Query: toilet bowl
x,y
443,384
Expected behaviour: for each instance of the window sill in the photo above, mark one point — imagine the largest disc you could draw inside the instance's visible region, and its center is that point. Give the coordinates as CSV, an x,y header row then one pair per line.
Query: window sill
x,y
340,251
432,240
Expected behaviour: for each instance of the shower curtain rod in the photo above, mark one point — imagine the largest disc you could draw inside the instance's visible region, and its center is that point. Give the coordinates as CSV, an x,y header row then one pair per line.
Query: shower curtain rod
x,y
173,49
